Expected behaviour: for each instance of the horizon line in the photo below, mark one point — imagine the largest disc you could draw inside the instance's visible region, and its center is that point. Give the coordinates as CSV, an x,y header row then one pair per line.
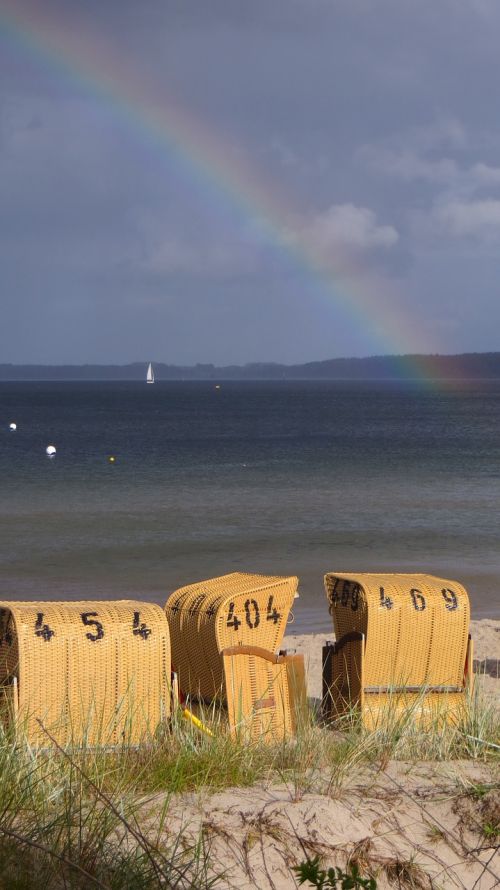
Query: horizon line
x,y
249,364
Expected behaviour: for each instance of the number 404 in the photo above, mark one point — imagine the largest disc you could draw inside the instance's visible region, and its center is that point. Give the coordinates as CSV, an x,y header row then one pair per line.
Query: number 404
x,y
252,614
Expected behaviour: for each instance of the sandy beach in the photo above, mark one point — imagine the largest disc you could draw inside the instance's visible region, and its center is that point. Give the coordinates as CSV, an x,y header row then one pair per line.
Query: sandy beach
x,y
415,826
418,824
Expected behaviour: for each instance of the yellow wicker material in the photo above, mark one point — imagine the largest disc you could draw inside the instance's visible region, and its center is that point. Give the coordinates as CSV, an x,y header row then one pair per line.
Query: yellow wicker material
x,y
235,609
297,689
175,615
261,700
92,672
401,639
427,710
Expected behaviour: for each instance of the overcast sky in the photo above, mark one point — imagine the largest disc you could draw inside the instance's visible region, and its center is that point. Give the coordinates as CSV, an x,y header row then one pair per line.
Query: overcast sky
x,y
245,180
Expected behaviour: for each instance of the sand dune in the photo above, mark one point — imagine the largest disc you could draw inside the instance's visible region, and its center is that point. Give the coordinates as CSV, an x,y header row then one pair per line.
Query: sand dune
x,y
412,825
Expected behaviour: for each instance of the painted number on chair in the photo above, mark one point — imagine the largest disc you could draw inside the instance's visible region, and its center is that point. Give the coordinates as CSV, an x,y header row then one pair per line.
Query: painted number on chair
x,y
252,614
355,597
334,597
272,613
346,592
232,619
139,629
195,605
43,630
89,620
450,598
385,601
418,600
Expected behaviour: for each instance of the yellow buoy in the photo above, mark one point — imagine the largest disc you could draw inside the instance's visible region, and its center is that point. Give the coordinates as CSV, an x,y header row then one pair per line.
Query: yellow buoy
x,y
111,458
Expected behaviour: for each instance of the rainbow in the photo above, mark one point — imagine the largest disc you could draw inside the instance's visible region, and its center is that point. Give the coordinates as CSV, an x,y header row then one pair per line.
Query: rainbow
x,y
87,60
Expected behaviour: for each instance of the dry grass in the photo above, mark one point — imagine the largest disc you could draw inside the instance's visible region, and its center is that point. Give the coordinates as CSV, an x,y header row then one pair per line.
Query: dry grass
x,y
71,819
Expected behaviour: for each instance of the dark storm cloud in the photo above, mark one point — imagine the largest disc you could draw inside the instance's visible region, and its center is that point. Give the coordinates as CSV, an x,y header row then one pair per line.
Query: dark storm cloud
x,y
377,120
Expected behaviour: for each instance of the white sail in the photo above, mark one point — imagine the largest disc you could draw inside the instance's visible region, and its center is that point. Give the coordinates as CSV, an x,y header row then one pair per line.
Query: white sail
x,y
150,377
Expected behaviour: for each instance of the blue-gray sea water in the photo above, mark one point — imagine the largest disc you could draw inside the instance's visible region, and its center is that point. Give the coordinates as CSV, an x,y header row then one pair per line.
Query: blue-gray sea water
x,y
283,478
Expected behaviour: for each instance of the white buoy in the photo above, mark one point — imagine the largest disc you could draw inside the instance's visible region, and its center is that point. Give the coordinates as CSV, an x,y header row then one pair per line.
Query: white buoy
x,y
13,426
50,450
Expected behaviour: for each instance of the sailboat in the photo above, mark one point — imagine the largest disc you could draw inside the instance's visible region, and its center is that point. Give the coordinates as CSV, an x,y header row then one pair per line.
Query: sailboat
x,y
150,376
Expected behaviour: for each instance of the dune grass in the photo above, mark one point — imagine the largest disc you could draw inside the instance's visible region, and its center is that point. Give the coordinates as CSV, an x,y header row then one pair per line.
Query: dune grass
x,y
75,819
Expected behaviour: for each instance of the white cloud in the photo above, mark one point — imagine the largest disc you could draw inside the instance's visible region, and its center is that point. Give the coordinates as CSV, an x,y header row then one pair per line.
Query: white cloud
x,y
336,234
409,166
193,250
483,174
347,227
444,132
462,201
406,153
214,259
469,218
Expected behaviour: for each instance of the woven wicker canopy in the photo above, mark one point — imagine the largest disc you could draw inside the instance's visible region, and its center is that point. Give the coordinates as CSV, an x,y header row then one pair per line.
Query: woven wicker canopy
x,y
235,609
92,672
396,635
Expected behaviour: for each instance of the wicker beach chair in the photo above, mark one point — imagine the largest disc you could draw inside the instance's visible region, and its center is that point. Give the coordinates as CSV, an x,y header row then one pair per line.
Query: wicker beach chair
x,y
402,642
207,617
94,673
266,693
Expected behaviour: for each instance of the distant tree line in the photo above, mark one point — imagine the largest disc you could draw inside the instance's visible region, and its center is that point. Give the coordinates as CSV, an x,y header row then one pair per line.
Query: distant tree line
x,y
474,365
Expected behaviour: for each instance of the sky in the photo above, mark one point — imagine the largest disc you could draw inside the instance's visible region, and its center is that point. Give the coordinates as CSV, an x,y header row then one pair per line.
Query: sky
x,y
229,181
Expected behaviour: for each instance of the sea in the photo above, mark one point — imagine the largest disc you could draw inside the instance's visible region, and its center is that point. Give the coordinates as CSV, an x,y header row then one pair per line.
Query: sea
x,y
284,477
